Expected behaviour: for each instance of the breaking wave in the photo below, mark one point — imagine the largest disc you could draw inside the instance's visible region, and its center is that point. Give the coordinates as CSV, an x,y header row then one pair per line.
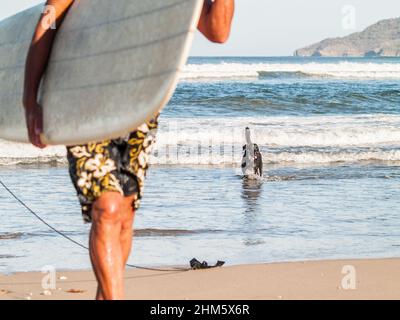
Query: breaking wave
x,y
216,141
341,70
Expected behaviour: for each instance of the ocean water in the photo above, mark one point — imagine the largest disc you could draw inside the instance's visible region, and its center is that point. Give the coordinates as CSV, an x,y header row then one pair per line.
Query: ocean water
x,y
329,131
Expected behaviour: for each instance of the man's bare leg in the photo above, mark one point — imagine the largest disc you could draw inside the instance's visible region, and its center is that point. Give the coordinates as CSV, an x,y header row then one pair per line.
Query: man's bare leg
x,y
126,235
105,246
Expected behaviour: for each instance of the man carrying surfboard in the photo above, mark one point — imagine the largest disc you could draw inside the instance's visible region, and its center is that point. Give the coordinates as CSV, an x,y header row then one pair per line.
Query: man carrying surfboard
x,y
109,175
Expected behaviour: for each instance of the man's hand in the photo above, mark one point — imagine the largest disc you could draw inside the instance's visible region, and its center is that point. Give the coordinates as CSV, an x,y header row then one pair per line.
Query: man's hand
x,y
34,122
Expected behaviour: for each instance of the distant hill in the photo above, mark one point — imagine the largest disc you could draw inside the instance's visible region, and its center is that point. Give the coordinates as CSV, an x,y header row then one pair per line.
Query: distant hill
x,y
381,39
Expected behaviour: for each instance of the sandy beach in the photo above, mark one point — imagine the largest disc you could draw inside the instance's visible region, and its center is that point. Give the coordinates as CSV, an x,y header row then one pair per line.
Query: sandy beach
x,y
374,279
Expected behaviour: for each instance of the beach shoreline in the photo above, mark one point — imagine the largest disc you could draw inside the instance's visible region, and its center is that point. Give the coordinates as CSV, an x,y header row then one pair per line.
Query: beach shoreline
x,y
314,280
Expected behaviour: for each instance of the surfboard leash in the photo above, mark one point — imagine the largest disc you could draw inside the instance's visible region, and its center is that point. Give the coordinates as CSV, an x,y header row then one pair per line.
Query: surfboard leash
x,y
76,242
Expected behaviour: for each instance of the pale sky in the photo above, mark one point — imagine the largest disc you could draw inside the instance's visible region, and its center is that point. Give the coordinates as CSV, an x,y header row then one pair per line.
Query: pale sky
x,y
278,27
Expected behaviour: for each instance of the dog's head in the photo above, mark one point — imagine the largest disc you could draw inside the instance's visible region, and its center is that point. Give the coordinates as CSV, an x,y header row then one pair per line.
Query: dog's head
x,y
247,134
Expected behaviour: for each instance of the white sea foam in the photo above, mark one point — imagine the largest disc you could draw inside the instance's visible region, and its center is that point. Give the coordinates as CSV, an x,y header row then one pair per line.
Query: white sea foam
x,y
342,70
316,131
16,153
282,158
314,139
317,139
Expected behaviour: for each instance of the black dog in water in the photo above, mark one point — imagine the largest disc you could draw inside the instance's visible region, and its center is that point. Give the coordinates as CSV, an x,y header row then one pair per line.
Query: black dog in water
x,y
252,158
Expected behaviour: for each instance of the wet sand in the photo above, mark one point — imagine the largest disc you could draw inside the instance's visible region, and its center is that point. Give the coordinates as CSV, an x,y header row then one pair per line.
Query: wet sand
x,y
336,279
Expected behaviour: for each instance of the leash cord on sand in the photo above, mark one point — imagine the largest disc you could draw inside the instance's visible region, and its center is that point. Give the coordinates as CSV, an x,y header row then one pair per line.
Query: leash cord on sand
x,y
76,242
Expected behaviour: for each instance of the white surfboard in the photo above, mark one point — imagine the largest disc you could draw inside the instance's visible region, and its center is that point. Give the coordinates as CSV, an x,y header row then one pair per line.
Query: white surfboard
x,y
114,65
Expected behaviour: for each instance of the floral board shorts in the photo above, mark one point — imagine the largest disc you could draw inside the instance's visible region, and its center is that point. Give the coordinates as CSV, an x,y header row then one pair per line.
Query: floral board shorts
x,y
117,165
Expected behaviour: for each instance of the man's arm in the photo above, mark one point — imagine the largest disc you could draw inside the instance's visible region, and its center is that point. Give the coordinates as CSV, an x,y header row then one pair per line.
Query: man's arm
x,y
216,19
36,63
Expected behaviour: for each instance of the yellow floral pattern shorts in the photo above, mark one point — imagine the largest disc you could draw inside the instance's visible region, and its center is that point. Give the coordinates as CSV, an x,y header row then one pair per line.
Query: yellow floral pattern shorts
x,y
117,165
